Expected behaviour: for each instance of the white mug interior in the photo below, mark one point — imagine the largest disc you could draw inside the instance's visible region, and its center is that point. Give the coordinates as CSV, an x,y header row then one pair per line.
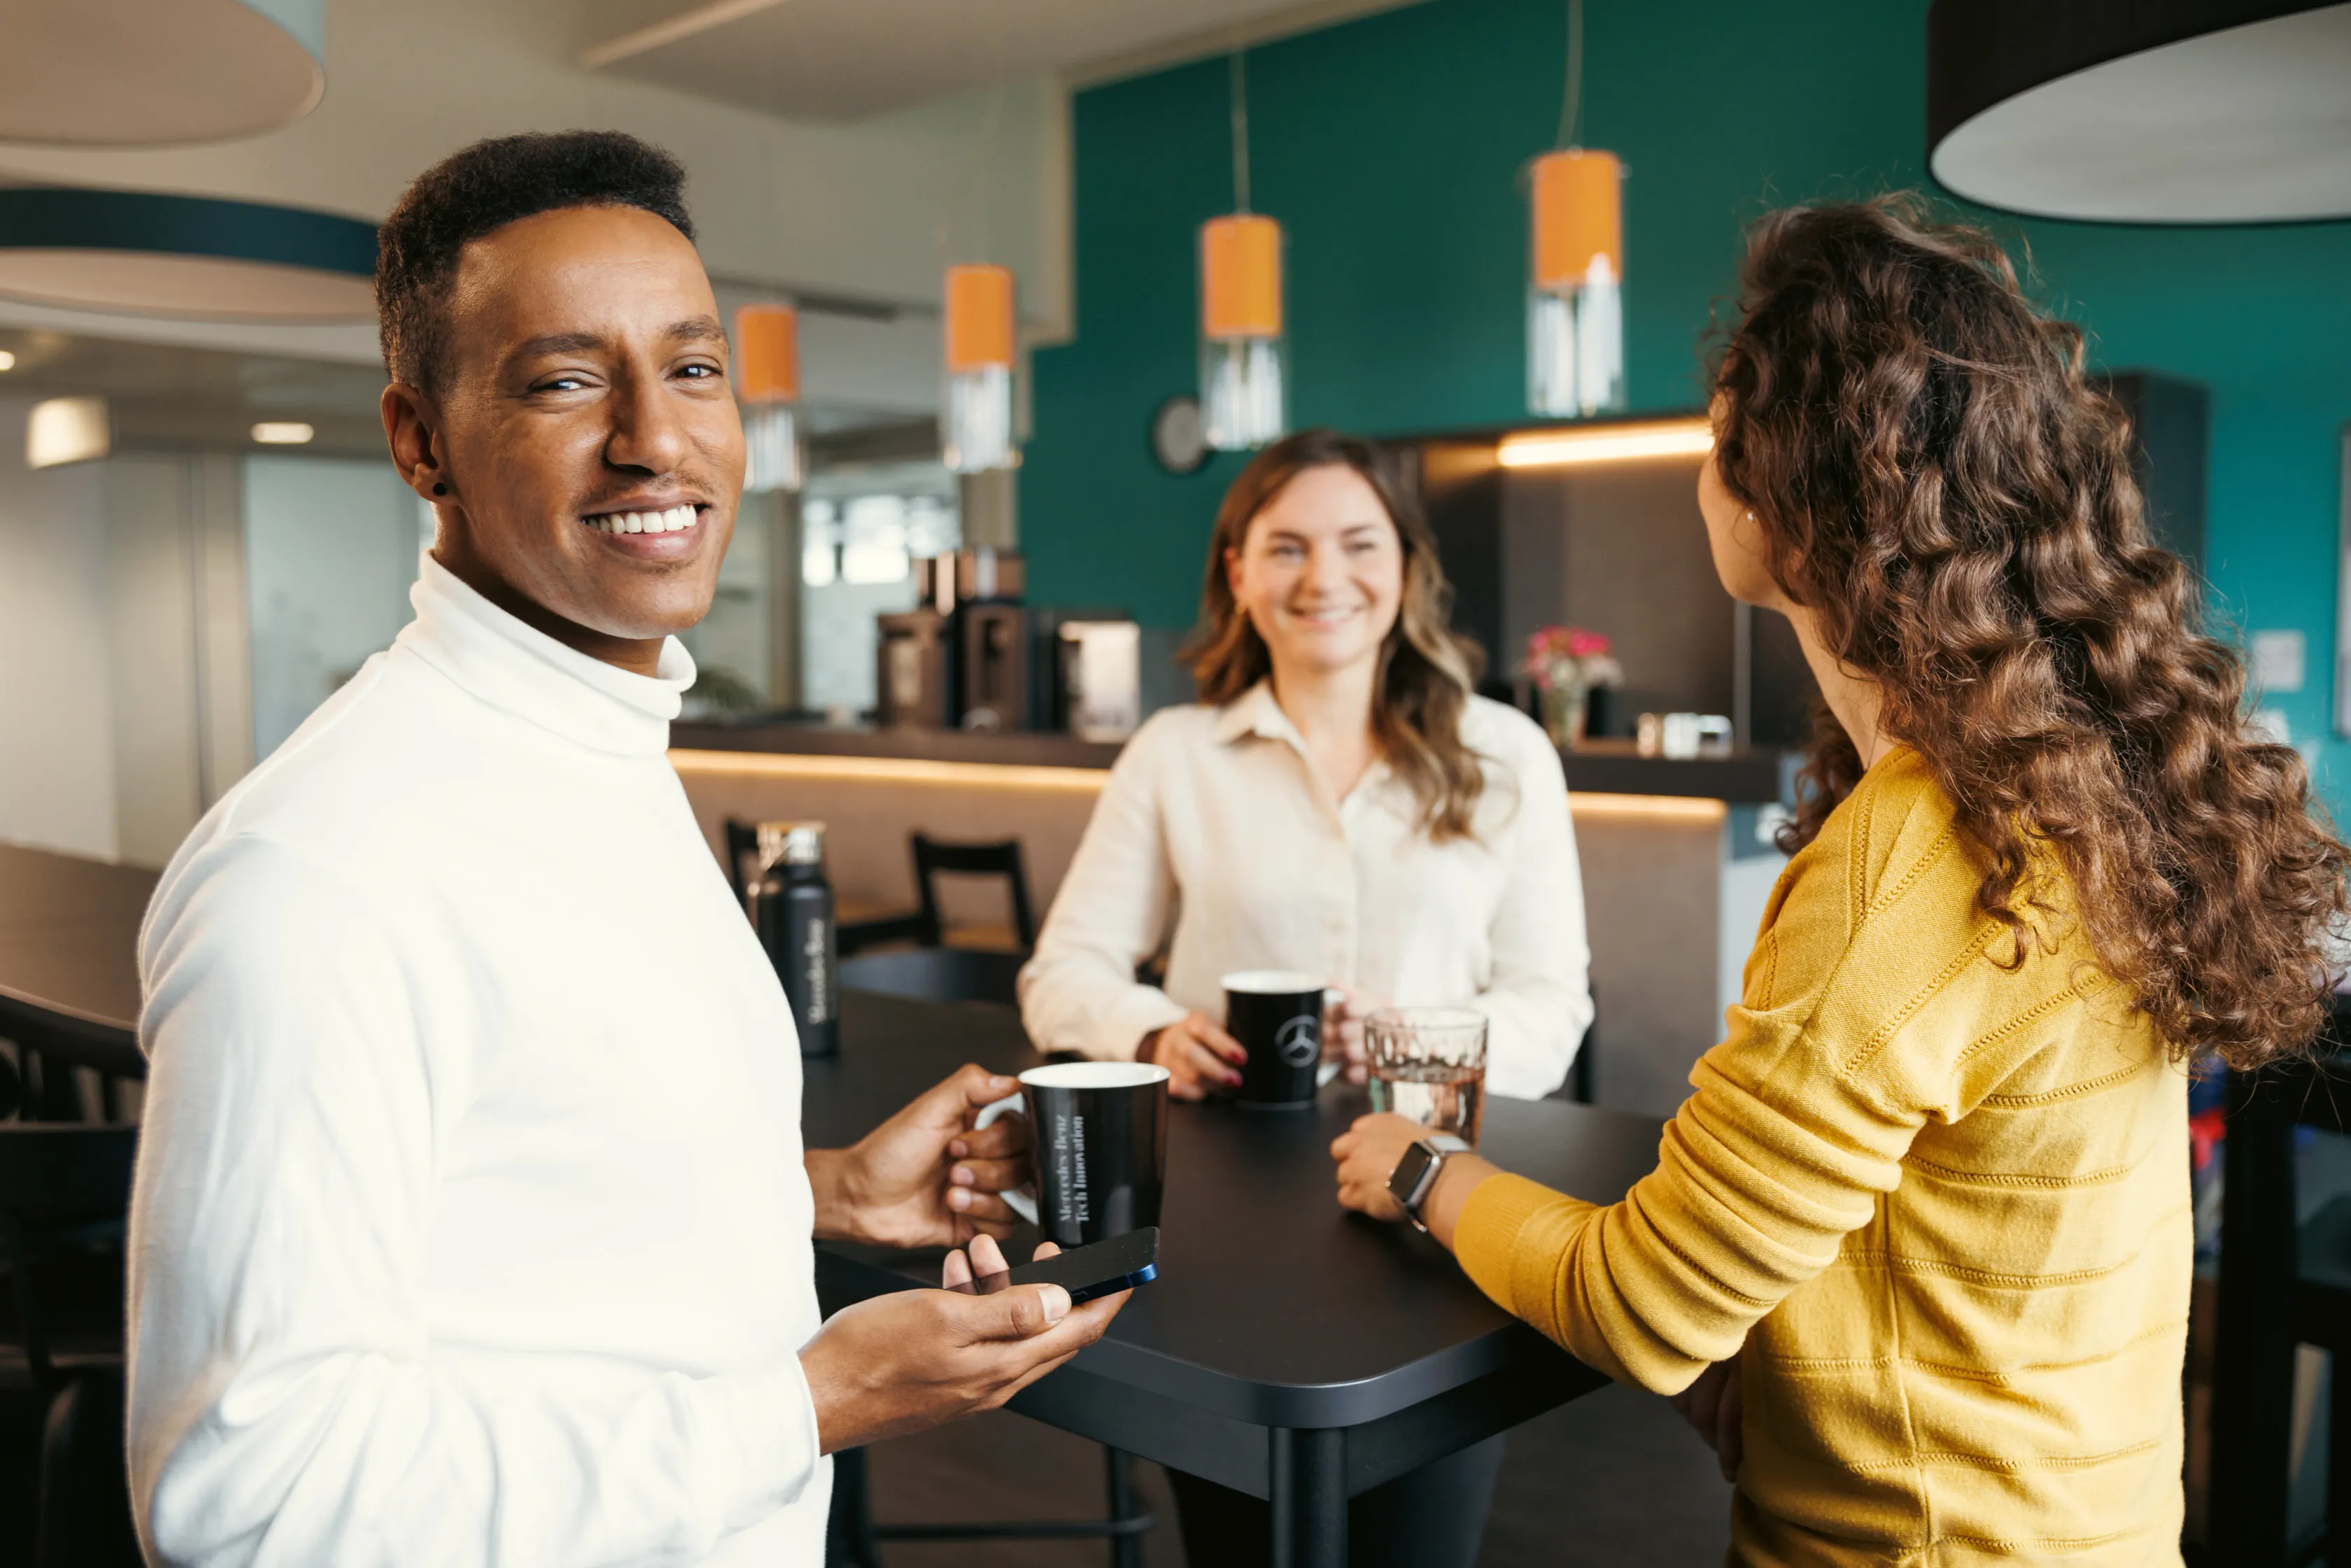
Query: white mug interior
x,y
1270,982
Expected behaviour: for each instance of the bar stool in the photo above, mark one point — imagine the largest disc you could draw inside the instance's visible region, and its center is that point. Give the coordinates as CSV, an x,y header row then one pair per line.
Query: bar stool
x,y
2284,1282
65,1192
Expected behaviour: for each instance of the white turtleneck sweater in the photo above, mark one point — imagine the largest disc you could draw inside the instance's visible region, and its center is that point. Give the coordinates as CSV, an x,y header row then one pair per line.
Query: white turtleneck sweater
x,y
471,1225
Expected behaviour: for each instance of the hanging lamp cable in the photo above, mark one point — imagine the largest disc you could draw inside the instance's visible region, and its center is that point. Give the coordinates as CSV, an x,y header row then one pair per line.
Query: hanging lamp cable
x,y
1240,129
1571,106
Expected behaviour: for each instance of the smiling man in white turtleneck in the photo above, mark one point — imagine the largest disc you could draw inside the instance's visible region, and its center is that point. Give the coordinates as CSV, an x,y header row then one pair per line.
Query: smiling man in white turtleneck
x,y
472,1221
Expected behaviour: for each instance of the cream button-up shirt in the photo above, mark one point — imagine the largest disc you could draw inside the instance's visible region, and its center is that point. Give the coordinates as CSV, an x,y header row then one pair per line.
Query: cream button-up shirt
x,y
1213,826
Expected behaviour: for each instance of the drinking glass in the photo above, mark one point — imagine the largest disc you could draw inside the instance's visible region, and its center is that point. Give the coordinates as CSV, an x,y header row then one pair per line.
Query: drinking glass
x,y
1429,1064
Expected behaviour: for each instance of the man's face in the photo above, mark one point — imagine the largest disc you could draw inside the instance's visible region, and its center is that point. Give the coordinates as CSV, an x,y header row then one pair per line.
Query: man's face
x,y
590,442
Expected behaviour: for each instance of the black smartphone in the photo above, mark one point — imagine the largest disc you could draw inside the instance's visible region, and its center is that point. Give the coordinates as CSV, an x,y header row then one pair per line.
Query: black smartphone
x,y
1103,1269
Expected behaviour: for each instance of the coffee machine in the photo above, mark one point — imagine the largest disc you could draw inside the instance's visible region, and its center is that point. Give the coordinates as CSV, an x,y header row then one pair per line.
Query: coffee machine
x,y
960,658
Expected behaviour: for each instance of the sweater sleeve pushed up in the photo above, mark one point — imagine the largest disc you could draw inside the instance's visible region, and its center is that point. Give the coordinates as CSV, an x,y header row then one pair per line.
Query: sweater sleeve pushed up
x,y
1801,1117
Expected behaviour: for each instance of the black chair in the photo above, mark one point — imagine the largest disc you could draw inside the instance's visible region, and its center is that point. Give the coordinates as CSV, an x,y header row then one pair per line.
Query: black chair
x,y
12,1088
938,974
1580,1084
933,856
65,1192
53,1048
2284,1282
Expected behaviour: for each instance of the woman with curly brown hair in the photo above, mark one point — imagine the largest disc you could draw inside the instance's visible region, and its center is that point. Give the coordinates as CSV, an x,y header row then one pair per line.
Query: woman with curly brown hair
x,y
1916,1251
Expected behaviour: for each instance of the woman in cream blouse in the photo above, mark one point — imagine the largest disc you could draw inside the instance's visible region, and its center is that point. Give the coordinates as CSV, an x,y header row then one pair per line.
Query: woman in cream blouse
x,y
1339,803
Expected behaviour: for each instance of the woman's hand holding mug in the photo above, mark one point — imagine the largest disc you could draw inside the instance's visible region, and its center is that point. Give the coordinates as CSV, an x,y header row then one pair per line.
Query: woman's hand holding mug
x,y
1345,1009
1199,1056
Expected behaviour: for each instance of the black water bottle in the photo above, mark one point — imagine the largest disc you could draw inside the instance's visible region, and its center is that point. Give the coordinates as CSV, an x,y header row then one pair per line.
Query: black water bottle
x,y
791,909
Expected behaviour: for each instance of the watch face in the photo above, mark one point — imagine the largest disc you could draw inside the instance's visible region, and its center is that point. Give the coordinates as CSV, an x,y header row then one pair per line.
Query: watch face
x,y
1178,438
1403,1182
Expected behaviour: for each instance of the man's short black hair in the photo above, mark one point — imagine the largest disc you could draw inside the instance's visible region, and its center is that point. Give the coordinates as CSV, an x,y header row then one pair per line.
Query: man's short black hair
x,y
487,186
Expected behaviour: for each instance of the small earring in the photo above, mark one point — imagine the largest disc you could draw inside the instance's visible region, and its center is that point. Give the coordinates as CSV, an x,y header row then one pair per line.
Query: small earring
x,y
439,489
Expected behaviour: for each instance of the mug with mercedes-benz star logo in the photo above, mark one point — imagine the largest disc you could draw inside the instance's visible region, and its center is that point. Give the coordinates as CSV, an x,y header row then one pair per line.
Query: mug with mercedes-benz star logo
x,y
1276,1015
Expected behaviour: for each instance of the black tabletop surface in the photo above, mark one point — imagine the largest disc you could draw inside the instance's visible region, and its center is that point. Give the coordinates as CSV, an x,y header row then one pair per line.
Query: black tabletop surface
x,y
1273,1306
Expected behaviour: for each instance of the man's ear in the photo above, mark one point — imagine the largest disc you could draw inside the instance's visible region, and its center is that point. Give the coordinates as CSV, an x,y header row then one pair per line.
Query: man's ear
x,y
411,428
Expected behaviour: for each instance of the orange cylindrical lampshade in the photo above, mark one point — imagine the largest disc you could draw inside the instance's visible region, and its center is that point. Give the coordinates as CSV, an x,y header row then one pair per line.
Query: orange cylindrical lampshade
x,y
980,318
1579,217
1241,277
767,342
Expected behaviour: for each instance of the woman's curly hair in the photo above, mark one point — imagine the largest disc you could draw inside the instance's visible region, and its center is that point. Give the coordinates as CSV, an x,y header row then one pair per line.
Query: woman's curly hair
x,y
1939,486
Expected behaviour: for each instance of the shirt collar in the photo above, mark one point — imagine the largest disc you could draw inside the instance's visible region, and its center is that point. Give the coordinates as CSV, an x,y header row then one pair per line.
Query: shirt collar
x,y
1255,712
528,674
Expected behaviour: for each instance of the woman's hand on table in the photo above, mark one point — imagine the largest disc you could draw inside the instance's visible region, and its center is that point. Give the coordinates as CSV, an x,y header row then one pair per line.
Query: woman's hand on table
x,y
923,1177
913,1359
1345,1009
1200,1058
1715,1406
1367,1154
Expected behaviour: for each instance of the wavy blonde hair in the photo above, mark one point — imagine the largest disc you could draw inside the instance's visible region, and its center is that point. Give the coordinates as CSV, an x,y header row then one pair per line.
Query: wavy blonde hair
x,y
1940,485
1427,672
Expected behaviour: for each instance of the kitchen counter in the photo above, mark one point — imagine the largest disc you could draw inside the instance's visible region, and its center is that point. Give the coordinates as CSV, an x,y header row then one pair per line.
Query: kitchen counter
x,y
1608,767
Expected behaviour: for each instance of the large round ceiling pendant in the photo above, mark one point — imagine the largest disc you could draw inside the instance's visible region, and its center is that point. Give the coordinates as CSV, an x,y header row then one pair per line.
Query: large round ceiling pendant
x,y
150,253
150,72
2187,111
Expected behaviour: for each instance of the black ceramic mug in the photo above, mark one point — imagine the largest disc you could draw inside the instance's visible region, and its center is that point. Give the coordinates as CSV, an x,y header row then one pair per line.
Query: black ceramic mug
x,y
1097,1148
1276,1015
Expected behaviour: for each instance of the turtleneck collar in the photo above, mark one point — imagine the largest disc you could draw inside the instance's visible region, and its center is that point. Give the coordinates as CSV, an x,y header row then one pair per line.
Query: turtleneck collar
x,y
528,674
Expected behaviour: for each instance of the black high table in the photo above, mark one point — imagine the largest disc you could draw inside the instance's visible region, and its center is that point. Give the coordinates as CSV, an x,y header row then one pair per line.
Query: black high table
x,y
1287,1350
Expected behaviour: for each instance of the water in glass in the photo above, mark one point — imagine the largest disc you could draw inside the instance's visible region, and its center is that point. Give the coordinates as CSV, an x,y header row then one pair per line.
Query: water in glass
x,y
1429,1064
1446,1097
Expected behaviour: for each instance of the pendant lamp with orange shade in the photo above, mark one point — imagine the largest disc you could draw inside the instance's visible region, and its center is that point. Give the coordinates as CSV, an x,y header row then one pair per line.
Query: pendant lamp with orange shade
x,y
768,381
1240,330
1575,321
1575,301
979,360
1241,402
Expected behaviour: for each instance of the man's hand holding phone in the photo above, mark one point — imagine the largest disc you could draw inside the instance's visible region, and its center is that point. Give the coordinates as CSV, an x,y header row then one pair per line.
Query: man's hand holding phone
x,y
914,1359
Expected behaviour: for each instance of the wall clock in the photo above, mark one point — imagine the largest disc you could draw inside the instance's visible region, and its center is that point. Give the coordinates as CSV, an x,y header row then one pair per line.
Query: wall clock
x,y
1178,439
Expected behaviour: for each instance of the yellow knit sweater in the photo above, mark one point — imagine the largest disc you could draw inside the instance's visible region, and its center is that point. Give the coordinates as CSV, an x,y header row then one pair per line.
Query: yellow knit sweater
x,y
1942,1204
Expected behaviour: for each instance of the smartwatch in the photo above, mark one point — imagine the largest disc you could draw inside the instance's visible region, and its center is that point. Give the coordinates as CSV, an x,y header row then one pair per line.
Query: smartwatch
x,y
1415,1176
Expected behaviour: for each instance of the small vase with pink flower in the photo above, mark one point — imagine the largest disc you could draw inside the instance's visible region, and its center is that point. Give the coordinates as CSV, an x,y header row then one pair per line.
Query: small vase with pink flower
x,y
1567,664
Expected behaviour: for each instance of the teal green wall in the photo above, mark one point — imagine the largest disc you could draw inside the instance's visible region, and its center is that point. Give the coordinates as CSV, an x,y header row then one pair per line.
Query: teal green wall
x,y
1390,149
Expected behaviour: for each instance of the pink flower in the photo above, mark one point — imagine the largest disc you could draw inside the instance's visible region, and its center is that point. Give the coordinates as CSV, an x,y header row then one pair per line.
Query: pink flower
x,y
1556,656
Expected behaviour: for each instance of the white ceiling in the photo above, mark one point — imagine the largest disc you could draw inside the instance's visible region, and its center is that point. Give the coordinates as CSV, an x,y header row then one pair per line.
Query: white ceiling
x,y
846,59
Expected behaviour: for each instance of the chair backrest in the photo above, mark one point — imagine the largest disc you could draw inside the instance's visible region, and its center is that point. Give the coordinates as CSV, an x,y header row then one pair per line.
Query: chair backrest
x,y
2253,1350
938,974
742,843
1002,859
12,1088
53,1050
53,1171
59,1183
